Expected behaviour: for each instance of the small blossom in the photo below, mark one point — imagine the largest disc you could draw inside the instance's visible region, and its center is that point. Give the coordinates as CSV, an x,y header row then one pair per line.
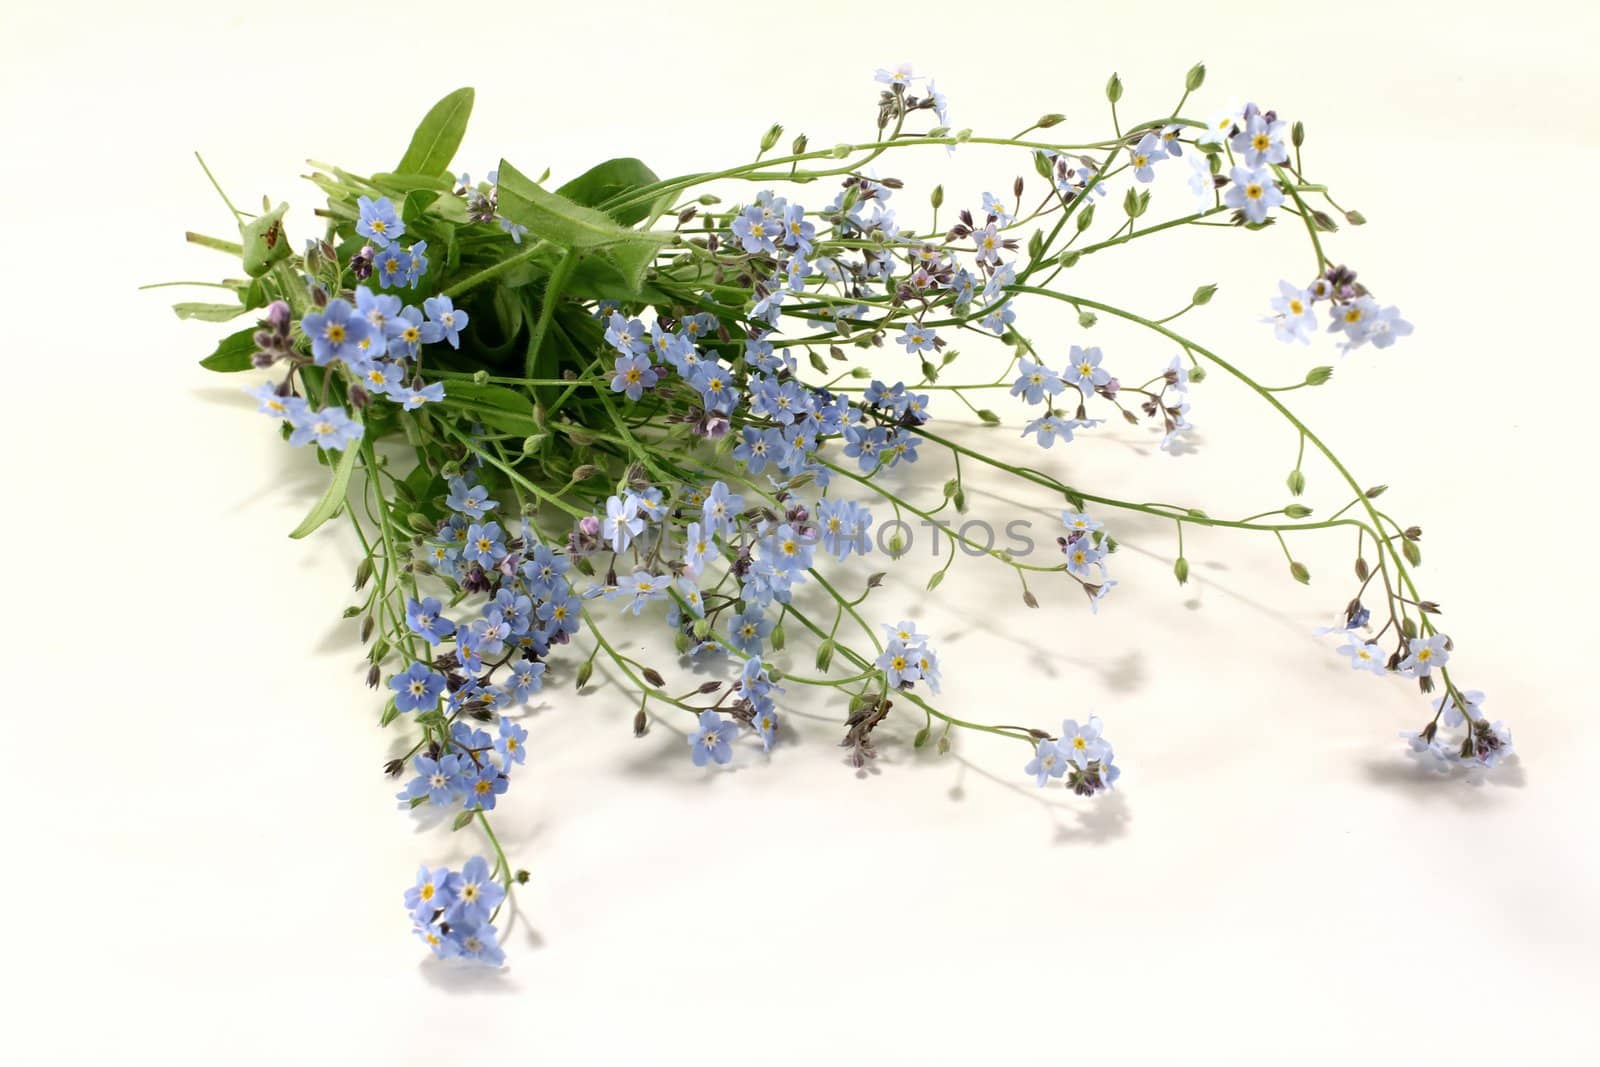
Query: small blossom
x,y
1082,743
1141,157
1295,319
445,321
1035,382
1084,370
712,740
1364,655
417,689
1048,762
1426,653
336,332
328,428
1253,191
1261,142
472,501
425,617
632,375
439,780
379,222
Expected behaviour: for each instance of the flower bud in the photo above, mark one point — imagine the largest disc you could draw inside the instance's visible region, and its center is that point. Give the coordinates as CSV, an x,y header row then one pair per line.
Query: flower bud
x,y
1297,482
1299,572
1195,78
1180,570
770,138
1202,296
1114,88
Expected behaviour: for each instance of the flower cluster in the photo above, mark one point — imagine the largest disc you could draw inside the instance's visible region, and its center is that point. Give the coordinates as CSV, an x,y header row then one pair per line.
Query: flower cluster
x,y
453,911
1081,755
1481,745
1352,312
650,414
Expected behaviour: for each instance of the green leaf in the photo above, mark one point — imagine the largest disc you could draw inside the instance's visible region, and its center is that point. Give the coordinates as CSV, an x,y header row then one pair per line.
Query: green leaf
x,y
494,395
209,312
493,405
554,218
609,180
415,203
434,144
333,499
392,181
233,354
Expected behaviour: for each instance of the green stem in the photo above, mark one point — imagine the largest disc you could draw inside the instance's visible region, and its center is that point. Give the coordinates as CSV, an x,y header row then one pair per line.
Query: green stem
x,y
547,310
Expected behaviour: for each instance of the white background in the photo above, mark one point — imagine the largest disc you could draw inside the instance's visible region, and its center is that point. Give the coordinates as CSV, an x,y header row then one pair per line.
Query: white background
x,y
207,868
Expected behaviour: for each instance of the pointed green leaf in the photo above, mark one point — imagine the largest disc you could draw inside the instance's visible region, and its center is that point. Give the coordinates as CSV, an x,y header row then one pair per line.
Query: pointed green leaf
x,y
608,181
393,182
434,144
554,218
209,312
233,354
333,499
